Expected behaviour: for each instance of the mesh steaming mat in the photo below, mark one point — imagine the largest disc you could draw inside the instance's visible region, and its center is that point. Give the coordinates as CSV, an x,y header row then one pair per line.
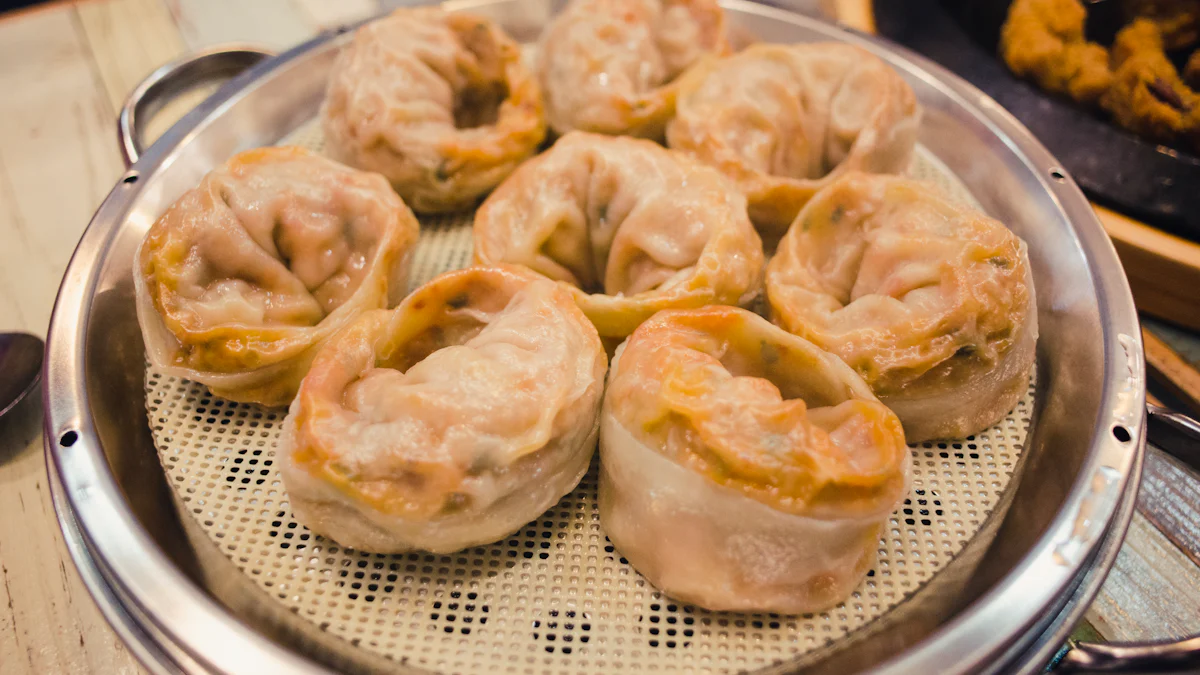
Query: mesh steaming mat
x,y
554,597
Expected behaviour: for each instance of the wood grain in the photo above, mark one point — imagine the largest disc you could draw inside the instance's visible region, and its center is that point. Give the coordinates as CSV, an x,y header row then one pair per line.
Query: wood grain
x,y
1170,500
1163,270
322,14
57,160
1185,343
274,24
128,39
1172,372
857,14
56,140
48,622
73,65
1151,591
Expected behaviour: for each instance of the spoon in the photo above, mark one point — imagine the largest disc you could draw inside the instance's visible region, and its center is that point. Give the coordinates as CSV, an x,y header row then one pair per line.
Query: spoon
x,y
20,367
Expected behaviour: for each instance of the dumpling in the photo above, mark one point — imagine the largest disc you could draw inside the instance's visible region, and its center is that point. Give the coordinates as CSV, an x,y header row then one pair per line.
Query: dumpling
x,y
783,121
439,103
931,301
450,421
628,226
246,275
609,66
741,467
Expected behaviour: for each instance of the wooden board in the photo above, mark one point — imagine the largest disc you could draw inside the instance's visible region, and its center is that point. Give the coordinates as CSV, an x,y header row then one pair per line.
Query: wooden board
x,y
73,64
1163,270
57,160
1146,594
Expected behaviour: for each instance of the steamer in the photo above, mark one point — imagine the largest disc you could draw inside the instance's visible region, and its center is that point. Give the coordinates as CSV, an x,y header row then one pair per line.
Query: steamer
x,y
175,514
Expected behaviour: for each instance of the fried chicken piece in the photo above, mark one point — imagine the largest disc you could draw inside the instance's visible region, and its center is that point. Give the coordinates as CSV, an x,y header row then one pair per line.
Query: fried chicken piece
x,y
1179,20
1147,95
1043,40
1191,71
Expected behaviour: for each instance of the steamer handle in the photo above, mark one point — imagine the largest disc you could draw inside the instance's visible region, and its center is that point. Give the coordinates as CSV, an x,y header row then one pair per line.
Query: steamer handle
x,y
1178,435
218,63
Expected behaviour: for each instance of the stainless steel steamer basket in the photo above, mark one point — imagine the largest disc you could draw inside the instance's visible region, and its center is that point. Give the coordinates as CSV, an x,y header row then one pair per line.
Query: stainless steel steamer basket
x,y
1002,605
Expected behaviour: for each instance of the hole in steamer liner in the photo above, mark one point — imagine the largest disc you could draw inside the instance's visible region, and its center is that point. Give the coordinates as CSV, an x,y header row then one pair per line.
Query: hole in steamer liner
x,y
671,625
563,631
460,613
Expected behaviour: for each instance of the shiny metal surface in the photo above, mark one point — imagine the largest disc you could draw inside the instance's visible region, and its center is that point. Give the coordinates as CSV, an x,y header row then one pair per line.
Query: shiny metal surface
x,y
1178,435
984,613
215,64
20,367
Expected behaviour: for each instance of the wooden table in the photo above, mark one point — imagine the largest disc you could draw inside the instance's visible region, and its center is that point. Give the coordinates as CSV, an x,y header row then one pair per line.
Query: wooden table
x,y
64,70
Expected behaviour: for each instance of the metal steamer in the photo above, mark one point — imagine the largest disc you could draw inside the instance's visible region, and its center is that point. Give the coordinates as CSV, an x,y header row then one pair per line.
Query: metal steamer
x,y
180,527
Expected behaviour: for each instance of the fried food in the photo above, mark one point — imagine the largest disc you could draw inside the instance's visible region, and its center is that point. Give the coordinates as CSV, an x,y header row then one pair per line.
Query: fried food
x,y
781,121
1191,71
450,421
1147,95
1043,40
439,103
243,279
742,468
608,66
930,301
1178,20
627,226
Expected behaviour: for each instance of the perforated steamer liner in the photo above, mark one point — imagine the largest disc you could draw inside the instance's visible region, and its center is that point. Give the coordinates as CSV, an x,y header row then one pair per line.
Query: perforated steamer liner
x,y
554,597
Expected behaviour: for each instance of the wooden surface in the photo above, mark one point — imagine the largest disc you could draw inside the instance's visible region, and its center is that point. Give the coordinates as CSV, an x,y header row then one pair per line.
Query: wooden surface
x,y
1173,373
73,65
1163,270
65,68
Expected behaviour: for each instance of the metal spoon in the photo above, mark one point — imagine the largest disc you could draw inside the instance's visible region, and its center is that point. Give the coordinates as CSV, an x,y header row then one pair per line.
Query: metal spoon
x,y
20,367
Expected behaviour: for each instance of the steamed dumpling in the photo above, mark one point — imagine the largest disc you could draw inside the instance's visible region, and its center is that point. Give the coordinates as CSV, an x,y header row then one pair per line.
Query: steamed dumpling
x,y
783,121
931,301
742,468
439,103
246,275
609,66
628,226
450,421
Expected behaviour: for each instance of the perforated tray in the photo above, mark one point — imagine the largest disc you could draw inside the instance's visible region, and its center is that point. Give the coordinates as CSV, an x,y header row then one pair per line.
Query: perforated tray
x,y
554,597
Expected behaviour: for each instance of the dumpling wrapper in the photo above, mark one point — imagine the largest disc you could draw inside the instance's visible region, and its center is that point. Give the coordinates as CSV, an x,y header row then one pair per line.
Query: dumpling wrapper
x,y
929,300
440,103
610,66
450,421
628,226
782,121
742,468
245,276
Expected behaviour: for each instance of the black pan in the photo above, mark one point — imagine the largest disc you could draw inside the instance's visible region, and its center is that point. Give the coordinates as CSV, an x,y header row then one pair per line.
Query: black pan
x,y
1153,183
